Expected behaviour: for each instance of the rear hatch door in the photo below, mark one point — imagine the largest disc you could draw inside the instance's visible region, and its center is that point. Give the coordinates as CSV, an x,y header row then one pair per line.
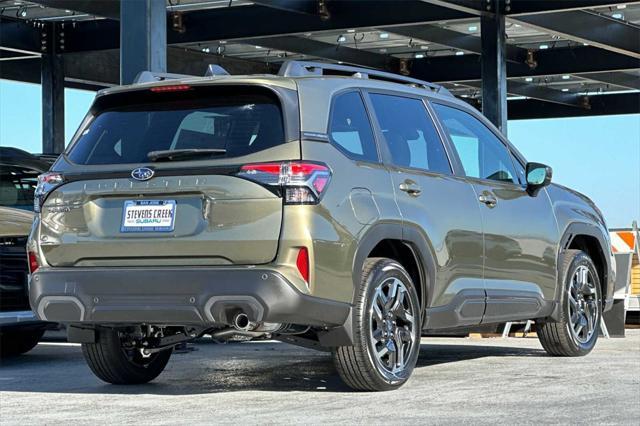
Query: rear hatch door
x,y
150,179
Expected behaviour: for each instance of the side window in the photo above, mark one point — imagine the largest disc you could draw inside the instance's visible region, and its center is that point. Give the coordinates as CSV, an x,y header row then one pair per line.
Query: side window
x,y
410,134
350,127
482,154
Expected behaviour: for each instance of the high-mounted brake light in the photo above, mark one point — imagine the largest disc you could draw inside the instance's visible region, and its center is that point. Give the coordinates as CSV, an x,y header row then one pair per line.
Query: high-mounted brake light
x,y
33,262
302,182
47,182
172,88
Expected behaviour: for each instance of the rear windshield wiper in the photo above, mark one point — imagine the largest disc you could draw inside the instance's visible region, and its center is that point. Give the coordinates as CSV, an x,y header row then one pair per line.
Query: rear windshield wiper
x,y
181,154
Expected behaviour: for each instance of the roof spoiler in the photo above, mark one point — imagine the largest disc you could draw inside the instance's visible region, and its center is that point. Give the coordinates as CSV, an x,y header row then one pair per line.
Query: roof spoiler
x,y
305,68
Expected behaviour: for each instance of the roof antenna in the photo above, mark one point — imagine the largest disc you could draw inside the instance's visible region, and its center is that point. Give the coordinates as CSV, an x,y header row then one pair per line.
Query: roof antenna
x,y
214,70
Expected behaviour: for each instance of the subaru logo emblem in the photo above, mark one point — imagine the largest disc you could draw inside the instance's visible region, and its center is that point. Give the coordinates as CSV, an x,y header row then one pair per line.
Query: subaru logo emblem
x,y
142,173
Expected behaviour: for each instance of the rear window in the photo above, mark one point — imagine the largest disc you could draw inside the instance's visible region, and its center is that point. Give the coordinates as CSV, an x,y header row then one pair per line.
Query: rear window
x,y
127,126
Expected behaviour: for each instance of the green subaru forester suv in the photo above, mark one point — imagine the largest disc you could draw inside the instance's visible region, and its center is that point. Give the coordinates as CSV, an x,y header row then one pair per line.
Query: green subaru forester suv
x,y
333,207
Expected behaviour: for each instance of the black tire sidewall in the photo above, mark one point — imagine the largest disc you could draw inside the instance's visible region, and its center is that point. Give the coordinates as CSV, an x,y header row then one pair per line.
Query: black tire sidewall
x,y
383,270
581,259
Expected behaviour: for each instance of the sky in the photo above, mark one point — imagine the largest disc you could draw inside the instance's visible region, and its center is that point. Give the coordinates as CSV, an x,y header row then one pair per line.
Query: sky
x,y
598,156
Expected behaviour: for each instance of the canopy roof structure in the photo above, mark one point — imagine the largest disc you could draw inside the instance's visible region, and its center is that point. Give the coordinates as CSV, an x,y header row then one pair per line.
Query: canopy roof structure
x,y
536,58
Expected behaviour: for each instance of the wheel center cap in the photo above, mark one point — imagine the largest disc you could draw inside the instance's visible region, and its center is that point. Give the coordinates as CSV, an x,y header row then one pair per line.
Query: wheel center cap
x,y
388,325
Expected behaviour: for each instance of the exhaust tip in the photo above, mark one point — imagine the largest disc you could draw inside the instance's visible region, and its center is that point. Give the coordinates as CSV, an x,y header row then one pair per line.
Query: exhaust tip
x,y
241,322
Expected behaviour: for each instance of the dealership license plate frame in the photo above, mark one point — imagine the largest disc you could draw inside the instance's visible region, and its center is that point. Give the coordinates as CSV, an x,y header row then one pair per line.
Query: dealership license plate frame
x,y
153,204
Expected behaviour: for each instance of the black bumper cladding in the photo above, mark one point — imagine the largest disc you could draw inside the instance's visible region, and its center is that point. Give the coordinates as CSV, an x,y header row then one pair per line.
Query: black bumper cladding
x,y
175,296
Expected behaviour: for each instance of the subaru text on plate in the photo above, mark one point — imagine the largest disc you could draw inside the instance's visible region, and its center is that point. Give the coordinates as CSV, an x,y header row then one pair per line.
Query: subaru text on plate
x,y
333,207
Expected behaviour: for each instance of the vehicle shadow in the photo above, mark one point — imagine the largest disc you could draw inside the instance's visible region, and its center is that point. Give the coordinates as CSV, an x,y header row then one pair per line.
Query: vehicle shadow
x,y
220,368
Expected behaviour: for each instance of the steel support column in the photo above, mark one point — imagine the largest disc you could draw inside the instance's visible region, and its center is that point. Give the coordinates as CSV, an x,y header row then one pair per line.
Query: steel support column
x,y
143,38
494,69
52,81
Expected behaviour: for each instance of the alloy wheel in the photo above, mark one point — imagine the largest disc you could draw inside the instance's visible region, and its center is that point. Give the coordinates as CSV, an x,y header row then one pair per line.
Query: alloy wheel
x,y
392,326
583,305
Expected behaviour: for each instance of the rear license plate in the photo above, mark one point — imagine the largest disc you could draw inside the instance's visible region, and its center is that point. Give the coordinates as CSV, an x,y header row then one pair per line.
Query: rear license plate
x,y
148,216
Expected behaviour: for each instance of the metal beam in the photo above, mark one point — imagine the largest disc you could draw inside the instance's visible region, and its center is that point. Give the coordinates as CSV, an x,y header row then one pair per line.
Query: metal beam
x,y
52,85
625,103
472,7
615,78
95,70
454,39
328,51
105,8
494,70
550,62
525,7
231,22
528,7
299,6
17,35
602,31
101,67
143,31
541,93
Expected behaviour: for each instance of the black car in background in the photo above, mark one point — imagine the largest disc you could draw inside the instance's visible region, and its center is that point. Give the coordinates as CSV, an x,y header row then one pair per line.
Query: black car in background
x,y
19,170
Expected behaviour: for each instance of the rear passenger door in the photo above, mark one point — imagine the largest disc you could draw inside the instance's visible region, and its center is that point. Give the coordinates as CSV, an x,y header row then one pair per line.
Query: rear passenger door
x,y
437,208
520,231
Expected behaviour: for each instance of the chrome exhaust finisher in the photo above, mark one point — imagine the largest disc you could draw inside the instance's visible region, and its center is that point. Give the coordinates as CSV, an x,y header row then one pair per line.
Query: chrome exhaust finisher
x,y
241,322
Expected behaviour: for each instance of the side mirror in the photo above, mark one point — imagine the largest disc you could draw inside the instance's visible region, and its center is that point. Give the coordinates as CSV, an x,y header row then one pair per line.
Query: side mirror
x,y
538,176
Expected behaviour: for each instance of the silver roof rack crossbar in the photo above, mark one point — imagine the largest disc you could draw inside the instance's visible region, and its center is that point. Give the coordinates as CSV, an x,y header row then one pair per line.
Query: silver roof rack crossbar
x,y
305,68
154,77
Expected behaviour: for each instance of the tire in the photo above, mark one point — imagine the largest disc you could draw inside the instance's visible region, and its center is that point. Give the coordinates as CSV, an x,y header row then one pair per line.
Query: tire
x,y
112,364
560,338
17,342
359,365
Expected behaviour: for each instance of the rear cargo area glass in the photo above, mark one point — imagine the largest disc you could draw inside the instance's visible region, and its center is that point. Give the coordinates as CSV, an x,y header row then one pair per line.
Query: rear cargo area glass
x,y
126,127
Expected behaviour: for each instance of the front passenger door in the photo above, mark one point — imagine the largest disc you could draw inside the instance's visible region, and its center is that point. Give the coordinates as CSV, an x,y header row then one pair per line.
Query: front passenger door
x,y
520,231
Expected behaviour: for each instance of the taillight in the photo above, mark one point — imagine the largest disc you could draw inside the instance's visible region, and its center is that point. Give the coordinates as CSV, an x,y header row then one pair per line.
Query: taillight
x,y
302,182
33,262
46,183
302,263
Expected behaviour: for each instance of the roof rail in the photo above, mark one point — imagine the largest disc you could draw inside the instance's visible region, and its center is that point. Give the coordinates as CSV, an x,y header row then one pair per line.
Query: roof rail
x,y
151,77
305,68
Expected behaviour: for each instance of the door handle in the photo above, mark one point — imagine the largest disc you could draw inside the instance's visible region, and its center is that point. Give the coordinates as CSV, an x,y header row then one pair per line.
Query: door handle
x,y
488,199
411,188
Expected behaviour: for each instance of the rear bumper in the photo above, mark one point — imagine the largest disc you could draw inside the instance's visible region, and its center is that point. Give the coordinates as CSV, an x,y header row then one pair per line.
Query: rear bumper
x,y
175,296
17,317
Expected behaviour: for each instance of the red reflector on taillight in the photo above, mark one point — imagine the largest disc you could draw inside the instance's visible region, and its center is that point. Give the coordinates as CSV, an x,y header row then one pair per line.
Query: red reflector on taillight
x,y
172,88
302,262
33,262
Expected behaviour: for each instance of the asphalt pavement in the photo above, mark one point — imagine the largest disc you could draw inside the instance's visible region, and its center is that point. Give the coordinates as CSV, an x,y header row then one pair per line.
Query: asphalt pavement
x,y
457,380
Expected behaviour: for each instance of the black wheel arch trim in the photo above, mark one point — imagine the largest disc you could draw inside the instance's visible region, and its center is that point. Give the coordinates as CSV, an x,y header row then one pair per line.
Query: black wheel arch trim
x,y
572,231
417,242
